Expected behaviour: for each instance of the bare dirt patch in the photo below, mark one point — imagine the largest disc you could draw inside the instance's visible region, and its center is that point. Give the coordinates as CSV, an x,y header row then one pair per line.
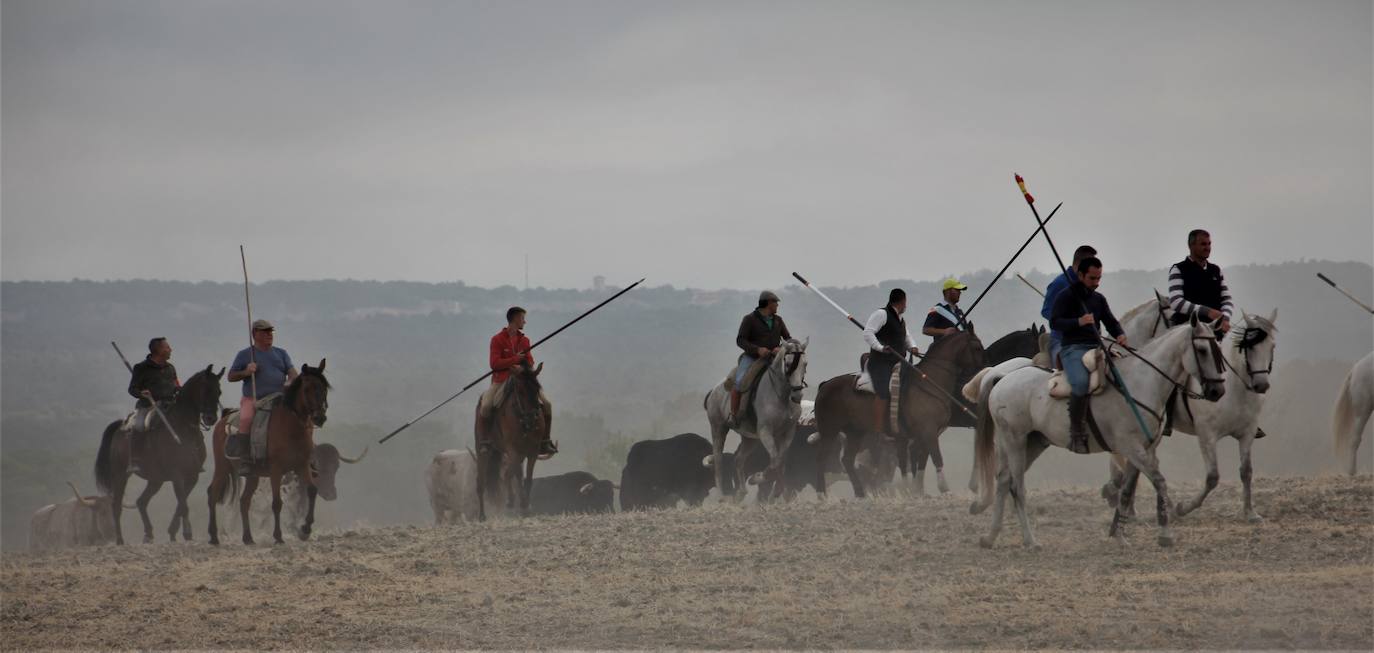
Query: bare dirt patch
x,y
884,573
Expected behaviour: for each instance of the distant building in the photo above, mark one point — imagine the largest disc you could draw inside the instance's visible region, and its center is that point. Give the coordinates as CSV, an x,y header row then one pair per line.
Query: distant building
x,y
598,282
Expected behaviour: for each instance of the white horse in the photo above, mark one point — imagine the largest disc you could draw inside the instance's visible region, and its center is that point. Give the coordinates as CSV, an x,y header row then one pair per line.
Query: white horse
x,y
1250,360
1018,421
1147,321
1353,407
777,408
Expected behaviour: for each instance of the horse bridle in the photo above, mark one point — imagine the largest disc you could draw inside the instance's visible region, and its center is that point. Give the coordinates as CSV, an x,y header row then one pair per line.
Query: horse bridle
x,y
1197,362
1246,345
790,367
528,417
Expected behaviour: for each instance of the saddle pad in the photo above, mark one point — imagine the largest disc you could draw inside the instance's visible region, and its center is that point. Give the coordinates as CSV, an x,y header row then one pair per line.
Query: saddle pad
x,y
894,385
1059,385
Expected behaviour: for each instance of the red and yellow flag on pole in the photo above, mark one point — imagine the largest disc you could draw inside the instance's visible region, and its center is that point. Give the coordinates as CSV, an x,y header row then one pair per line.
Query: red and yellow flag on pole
x,y
1022,184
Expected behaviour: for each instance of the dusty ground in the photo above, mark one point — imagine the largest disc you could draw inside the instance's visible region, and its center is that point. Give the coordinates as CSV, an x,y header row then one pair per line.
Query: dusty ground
x,y
883,573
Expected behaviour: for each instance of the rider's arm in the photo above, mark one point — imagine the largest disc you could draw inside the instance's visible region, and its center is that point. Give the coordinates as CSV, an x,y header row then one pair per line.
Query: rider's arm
x,y
1051,291
1176,300
1107,319
786,335
1226,304
499,362
1064,316
933,326
136,383
875,322
236,368
742,338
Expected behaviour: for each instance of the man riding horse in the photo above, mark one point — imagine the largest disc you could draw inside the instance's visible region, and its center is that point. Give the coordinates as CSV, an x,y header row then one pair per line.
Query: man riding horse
x,y
263,367
1198,287
886,335
946,318
1052,291
1077,313
761,334
509,353
154,380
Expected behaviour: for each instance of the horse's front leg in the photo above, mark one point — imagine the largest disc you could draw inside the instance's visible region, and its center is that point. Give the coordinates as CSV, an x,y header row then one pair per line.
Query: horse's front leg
x,y
1246,476
310,493
1208,445
1147,464
179,512
527,486
142,503
933,448
275,479
853,442
250,488
718,433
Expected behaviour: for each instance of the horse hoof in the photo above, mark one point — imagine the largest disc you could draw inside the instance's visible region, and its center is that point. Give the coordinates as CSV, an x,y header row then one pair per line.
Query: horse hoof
x,y
248,541
976,508
1033,546
1166,540
148,539
985,542
1255,518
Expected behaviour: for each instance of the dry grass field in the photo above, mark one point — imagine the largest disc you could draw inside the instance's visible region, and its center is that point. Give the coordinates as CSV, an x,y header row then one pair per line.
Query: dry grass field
x,y
884,573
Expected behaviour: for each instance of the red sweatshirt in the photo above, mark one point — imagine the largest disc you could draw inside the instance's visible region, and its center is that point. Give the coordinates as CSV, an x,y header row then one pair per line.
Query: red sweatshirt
x,y
503,354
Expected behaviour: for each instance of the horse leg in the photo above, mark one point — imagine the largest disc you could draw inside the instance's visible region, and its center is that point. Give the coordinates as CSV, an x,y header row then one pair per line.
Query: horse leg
x,y
1016,459
1356,435
939,459
119,482
774,456
481,486
1116,472
825,451
1246,476
142,503
250,487
1208,445
999,503
718,433
275,479
178,491
1147,464
304,477
217,482
528,486
919,455
852,443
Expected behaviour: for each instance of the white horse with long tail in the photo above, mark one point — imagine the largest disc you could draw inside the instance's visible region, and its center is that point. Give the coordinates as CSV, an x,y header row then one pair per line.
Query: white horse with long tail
x,y
1354,405
777,407
1018,421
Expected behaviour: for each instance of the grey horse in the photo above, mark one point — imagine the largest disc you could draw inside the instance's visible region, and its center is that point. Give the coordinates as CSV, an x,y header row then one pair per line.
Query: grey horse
x,y
777,407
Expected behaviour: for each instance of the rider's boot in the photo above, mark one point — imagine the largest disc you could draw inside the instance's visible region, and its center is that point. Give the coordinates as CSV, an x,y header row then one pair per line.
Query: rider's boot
x,y
1078,430
733,420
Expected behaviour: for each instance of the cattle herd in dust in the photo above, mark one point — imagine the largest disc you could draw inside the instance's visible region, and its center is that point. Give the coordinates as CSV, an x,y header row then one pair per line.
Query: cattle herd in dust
x,y
1219,386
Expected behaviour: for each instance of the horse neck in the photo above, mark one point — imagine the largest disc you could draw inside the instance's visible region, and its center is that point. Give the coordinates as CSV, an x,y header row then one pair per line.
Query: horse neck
x,y
1020,343
1167,354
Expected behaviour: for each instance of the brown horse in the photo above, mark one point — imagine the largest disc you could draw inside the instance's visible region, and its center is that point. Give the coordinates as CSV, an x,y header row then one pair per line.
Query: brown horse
x,y
520,425
926,412
290,443
164,459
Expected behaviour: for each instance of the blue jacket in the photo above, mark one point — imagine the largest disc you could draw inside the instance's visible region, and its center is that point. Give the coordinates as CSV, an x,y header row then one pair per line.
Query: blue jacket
x,y
1057,286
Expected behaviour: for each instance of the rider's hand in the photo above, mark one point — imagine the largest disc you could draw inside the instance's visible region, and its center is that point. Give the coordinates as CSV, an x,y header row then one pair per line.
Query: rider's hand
x,y
251,369
1121,340
1086,320
517,369
775,350
763,352
915,351
1213,314
145,394
949,331
1225,325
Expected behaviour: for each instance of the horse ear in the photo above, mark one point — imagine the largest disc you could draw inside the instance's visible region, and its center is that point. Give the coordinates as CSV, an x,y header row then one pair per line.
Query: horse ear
x,y
321,367
1273,316
806,342
209,367
305,368
538,369
221,373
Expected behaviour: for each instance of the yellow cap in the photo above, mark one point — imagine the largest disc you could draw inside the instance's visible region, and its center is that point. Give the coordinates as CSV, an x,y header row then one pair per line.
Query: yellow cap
x,y
953,284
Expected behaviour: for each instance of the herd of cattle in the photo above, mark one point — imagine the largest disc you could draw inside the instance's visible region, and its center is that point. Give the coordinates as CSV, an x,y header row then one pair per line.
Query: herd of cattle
x,y
657,474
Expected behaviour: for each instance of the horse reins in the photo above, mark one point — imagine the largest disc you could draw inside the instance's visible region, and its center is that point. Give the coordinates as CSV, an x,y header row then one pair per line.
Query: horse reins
x,y
1197,360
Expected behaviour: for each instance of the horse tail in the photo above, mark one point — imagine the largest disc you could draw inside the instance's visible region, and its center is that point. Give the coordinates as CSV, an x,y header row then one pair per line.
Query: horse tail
x,y
1344,421
970,390
984,450
102,458
224,497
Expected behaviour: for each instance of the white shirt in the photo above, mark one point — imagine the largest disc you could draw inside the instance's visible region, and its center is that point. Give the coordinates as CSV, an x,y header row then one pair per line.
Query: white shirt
x,y
875,322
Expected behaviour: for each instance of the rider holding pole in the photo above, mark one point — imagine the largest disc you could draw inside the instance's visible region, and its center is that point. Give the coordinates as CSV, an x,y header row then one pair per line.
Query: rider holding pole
x,y
761,334
1077,312
888,339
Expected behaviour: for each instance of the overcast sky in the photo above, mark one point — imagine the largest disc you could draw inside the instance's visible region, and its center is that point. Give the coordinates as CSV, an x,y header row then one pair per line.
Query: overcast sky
x,y
693,143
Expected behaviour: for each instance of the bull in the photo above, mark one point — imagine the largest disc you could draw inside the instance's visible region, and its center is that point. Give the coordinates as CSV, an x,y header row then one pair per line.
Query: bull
x,y
451,481
80,521
325,460
659,473
573,492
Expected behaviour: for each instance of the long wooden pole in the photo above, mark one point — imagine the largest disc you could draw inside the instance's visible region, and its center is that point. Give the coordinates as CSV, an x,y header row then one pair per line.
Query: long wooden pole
x,y
252,378
1342,291
1003,271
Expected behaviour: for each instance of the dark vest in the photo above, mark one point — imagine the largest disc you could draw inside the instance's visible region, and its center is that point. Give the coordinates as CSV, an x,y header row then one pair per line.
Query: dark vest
x,y
1200,286
893,333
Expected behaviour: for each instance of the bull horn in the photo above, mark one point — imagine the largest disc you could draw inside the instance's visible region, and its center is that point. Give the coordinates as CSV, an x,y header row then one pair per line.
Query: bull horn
x,y
84,501
585,489
360,457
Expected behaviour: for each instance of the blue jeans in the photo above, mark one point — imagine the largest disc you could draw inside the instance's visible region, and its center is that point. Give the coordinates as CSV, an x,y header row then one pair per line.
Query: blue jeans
x,y
1055,348
744,362
1073,368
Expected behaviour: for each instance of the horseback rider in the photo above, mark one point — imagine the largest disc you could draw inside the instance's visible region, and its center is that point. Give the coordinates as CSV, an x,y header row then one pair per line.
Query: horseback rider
x,y
270,366
509,353
761,334
1076,314
154,379
1198,287
1060,283
946,318
886,335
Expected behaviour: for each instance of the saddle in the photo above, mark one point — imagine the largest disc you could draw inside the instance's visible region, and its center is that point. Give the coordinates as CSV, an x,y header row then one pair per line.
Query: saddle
x,y
752,376
262,413
1097,372
864,383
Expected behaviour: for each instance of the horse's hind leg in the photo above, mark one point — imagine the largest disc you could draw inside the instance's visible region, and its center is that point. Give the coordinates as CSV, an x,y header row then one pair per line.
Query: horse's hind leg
x,y
179,512
275,480
1246,476
718,434
1116,471
142,503
1208,445
1016,460
250,487
527,485
999,502
920,453
852,443
939,459
1148,465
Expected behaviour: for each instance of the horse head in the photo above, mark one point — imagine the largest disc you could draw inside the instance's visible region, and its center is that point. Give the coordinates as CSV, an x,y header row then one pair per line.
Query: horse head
x,y
792,365
1206,363
1255,340
201,393
525,388
308,395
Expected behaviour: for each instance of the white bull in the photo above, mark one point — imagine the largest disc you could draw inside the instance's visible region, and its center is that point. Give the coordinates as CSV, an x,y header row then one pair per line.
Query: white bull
x,y
82,521
451,480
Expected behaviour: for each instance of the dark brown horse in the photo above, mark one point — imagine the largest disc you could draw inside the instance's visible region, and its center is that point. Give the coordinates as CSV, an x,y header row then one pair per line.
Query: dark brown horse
x,y
926,412
290,443
164,460
519,426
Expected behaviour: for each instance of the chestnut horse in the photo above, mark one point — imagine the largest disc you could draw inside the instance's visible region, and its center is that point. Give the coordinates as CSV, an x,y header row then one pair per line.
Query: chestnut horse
x,y
926,412
290,443
519,426
164,459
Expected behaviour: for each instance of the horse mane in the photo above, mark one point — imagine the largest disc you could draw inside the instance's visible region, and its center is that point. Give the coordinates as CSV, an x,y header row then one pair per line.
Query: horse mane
x,y
944,343
293,390
1241,330
1152,304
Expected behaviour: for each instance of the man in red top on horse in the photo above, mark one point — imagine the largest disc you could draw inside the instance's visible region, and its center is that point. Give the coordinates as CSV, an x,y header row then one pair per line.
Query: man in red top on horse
x,y
510,353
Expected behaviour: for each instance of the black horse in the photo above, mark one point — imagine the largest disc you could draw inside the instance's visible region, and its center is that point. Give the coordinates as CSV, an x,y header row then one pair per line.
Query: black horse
x,y
195,407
